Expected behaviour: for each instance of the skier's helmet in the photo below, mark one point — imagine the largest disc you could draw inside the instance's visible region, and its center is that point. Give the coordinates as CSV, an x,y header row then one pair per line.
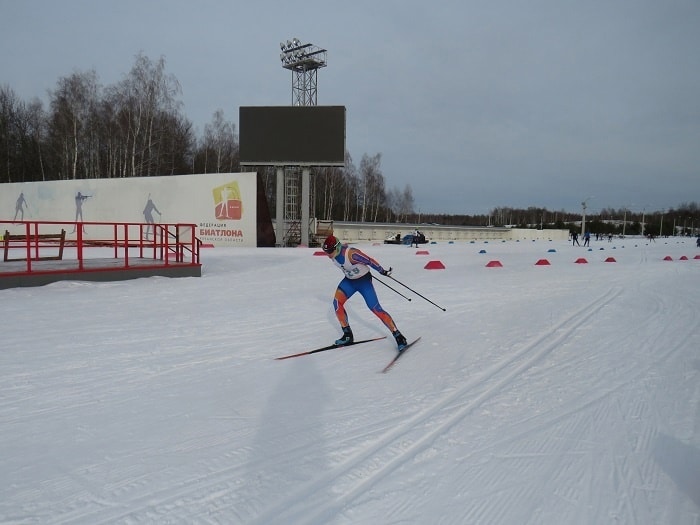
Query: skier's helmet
x,y
330,244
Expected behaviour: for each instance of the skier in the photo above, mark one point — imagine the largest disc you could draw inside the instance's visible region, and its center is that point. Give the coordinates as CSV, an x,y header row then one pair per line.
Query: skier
x,y
356,266
574,239
415,238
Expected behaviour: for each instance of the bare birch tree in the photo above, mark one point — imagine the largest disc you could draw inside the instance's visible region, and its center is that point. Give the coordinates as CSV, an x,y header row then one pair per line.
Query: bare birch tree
x,y
406,203
349,188
371,182
36,124
220,139
72,104
146,97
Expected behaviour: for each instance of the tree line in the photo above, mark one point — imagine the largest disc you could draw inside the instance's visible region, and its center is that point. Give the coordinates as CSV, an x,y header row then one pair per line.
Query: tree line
x,y
353,193
136,128
681,220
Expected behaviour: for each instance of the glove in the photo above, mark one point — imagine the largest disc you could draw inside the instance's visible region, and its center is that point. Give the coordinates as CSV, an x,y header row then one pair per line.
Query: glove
x,y
385,272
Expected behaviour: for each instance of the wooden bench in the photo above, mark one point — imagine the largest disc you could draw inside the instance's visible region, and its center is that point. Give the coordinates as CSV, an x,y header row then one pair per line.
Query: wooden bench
x,y
35,242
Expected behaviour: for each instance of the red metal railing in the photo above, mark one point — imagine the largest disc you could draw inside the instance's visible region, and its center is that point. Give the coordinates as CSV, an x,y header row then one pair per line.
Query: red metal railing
x,y
38,246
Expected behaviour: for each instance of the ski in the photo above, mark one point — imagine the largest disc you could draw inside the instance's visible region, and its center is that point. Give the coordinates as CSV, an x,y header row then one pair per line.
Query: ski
x,y
329,347
398,355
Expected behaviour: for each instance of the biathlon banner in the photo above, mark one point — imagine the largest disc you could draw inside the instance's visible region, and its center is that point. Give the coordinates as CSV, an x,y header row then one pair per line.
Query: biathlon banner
x,y
221,205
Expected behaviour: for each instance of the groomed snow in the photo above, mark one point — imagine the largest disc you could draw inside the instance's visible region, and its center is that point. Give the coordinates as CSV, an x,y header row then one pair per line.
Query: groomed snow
x,y
544,394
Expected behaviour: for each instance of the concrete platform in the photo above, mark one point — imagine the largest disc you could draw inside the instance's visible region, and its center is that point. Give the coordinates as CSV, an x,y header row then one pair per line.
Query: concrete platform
x,y
14,274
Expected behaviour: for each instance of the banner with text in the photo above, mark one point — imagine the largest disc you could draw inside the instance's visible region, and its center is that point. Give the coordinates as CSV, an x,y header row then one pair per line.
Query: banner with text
x,y
221,205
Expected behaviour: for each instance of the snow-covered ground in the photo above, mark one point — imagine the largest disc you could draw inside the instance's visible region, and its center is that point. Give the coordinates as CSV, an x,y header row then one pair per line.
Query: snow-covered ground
x,y
544,394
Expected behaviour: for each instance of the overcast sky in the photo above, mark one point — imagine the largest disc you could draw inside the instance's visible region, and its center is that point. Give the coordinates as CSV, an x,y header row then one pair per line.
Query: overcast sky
x,y
473,103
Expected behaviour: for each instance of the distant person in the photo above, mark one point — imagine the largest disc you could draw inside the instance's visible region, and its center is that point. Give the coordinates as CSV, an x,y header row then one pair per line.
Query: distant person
x,y
697,243
19,207
356,265
574,239
415,237
587,238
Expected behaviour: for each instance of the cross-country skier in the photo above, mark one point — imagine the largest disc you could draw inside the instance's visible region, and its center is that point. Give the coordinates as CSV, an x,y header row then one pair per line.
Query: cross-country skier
x,y
356,266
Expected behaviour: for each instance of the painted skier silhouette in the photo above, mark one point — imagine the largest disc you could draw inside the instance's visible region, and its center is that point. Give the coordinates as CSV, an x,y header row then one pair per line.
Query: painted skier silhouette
x,y
223,210
19,207
148,214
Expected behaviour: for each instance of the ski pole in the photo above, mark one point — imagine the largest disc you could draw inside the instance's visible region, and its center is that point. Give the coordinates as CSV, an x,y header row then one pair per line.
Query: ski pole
x,y
419,295
391,288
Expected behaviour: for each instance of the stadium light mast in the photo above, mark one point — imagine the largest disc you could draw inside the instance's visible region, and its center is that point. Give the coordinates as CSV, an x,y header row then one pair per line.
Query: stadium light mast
x,y
304,61
583,216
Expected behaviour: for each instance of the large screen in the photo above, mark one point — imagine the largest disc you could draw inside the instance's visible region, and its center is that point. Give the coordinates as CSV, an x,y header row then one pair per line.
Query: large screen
x,y
292,135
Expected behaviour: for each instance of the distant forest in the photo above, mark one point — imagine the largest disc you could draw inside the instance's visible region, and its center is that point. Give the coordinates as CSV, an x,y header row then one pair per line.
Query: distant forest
x,y
683,220
136,128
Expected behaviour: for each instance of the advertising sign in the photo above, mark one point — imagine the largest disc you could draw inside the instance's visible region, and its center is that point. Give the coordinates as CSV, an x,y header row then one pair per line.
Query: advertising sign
x,y
221,205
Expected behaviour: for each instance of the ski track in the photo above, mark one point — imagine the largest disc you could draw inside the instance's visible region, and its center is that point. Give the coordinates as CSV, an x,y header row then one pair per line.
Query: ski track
x,y
635,502
405,442
314,502
390,451
214,485
367,467
397,441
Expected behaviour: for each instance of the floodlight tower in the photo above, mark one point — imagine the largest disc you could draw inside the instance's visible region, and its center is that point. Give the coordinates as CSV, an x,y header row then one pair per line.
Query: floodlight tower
x,y
304,61
583,216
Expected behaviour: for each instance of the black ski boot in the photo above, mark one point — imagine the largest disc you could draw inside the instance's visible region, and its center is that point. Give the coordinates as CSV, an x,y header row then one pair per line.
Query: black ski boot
x,y
347,337
400,340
